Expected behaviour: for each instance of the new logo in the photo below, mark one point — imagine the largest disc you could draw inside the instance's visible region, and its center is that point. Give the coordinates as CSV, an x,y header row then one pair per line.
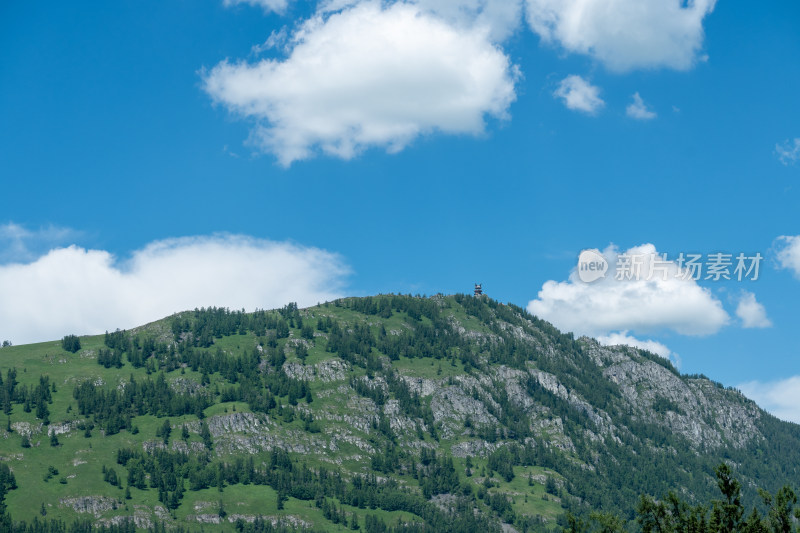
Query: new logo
x,y
591,266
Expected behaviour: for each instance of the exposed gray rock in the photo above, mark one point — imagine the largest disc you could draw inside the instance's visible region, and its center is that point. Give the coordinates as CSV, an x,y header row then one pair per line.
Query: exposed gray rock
x,y
473,448
221,425
246,517
552,430
325,372
423,387
445,502
397,421
152,445
89,504
551,383
186,386
208,518
704,414
62,428
252,433
141,518
26,428
283,520
188,447
451,406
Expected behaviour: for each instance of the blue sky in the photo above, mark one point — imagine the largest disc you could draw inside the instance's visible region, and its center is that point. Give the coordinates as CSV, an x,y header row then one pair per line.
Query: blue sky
x,y
157,156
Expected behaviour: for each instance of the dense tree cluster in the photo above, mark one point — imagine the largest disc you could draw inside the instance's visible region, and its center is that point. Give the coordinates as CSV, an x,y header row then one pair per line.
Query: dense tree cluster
x,y
32,398
114,409
71,343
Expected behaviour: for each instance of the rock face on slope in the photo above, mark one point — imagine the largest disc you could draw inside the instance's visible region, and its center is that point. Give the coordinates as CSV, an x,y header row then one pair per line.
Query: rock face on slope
x,y
693,408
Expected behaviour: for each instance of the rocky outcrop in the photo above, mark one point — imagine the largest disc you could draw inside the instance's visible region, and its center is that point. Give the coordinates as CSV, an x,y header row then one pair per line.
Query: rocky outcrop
x,y
697,409
186,386
95,505
63,427
221,425
452,406
290,521
252,433
326,371
26,428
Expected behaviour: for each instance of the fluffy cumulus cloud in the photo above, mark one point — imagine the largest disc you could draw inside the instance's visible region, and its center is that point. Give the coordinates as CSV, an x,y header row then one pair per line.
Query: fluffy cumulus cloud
x,y
75,290
368,76
663,298
781,398
278,6
18,243
638,110
789,151
751,313
788,253
579,95
625,34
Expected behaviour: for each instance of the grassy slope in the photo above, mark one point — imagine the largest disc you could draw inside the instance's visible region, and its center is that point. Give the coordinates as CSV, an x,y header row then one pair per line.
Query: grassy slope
x,y
80,460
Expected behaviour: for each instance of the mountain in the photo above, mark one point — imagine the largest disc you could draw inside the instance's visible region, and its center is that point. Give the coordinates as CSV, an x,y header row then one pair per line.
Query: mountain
x,y
448,413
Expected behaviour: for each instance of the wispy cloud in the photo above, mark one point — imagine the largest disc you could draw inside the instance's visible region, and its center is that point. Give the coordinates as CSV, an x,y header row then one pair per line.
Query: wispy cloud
x,y
788,151
579,95
19,243
751,313
638,110
787,253
277,6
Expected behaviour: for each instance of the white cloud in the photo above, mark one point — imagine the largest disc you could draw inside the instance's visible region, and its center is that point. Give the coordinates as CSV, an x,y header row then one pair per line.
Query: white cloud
x,y
74,290
751,313
622,337
638,110
788,253
649,304
789,151
781,398
624,34
579,95
500,17
367,77
276,39
18,243
277,6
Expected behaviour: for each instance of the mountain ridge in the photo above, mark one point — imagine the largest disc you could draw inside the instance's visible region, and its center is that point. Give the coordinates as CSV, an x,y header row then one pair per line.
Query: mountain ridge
x,y
524,422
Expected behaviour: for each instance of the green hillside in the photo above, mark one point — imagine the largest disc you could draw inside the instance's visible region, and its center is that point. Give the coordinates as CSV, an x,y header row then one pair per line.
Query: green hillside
x,y
449,413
